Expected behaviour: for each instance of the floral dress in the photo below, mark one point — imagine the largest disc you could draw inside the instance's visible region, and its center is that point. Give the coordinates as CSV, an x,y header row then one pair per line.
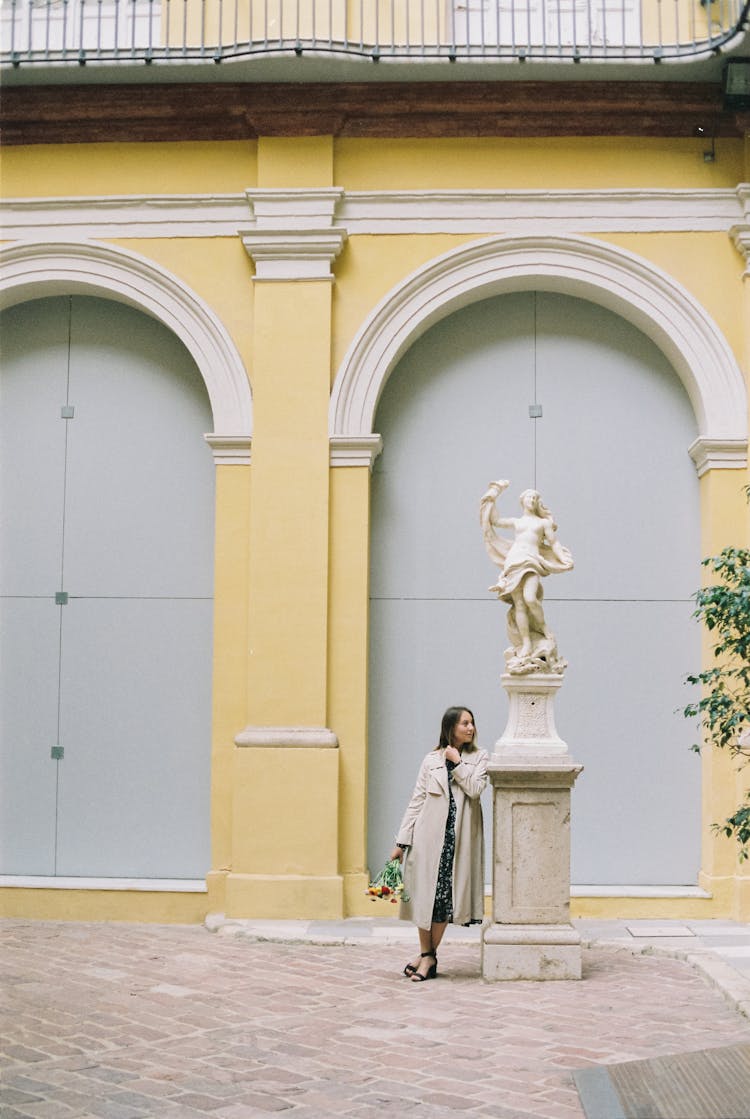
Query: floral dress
x,y
443,907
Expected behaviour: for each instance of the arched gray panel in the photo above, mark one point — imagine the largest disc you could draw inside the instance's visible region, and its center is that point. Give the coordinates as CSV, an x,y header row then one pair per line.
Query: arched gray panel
x,y
113,506
609,455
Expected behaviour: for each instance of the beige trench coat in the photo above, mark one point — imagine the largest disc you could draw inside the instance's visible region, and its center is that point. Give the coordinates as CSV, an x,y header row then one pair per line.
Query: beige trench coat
x,y
423,831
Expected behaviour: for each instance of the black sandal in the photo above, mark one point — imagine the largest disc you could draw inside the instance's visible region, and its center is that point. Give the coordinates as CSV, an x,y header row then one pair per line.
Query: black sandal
x,y
410,970
431,973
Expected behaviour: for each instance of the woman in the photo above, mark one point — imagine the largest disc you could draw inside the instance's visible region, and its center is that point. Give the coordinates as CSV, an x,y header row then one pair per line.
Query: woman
x,y
440,840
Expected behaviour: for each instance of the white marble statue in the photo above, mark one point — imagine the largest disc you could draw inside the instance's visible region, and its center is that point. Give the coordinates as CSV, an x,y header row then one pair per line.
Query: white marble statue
x,y
533,553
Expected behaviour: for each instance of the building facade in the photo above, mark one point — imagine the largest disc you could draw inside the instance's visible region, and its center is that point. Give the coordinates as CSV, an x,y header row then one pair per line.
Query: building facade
x,y
269,329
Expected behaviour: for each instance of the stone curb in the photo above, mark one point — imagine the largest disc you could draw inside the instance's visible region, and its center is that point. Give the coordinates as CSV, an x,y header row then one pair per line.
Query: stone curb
x,y
297,932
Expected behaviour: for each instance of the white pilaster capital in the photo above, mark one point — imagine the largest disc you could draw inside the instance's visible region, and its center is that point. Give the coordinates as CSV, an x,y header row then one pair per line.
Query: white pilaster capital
x,y
294,237
718,454
230,450
355,450
740,235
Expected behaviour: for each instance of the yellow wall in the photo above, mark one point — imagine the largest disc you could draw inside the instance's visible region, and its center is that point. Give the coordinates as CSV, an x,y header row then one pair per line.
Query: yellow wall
x,y
89,170
544,163
292,534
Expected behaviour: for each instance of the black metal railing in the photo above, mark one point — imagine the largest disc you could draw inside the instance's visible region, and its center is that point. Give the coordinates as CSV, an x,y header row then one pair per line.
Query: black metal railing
x,y
111,31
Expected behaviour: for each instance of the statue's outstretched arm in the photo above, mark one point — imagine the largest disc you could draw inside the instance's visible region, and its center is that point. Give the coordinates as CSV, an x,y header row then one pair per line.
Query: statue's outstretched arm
x,y
497,547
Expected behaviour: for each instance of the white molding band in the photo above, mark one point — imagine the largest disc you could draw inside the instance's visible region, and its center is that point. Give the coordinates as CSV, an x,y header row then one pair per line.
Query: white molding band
x,y
32,270
539,211
367,212
590,269
355,450
286,737
124,215
625,891
146,885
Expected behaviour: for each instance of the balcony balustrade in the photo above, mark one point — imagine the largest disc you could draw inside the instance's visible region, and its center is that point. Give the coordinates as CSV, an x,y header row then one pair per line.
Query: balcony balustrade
x,y
160,31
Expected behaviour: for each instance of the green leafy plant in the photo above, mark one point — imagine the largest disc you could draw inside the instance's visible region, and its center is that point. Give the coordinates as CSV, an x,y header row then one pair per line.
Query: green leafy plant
x,y
723,711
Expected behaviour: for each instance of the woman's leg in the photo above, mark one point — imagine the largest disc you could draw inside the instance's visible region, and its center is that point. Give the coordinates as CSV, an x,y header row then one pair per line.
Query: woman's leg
x,y
438,928
425,945
428,943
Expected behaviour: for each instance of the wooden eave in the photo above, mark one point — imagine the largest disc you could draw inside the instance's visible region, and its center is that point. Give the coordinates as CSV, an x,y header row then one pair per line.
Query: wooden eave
x,y
49,114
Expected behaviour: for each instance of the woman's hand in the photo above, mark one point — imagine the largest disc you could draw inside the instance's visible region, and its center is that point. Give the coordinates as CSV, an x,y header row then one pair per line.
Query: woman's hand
x,y
452,755
397,853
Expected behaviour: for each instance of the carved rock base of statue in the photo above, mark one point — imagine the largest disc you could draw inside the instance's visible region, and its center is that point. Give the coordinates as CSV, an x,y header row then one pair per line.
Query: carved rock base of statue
x,y
531,716
532,774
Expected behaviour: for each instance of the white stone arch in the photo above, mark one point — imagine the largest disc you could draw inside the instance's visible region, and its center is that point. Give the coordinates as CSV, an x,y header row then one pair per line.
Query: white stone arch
x,y
622,282
33,270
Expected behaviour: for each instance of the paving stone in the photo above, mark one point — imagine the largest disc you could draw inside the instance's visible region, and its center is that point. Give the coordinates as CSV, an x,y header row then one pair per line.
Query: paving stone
x,y
9,1096
318,1031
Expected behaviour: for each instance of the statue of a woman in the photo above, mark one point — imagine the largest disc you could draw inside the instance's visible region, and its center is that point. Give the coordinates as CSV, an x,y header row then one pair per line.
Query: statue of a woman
x,y
533,553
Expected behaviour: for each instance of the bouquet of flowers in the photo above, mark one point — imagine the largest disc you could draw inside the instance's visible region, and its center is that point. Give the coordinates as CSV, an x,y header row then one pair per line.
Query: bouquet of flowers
x,y
389,883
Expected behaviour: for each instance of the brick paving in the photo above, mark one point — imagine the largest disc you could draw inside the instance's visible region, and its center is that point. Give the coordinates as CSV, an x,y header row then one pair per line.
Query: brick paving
x,y
117,1021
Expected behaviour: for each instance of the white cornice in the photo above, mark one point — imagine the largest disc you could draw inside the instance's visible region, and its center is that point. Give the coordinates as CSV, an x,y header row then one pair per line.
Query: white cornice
x,y
539,211
134,215
366,212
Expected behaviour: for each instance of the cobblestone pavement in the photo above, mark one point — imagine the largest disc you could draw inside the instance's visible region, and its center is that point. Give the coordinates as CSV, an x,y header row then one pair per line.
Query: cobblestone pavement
x,y
118,1021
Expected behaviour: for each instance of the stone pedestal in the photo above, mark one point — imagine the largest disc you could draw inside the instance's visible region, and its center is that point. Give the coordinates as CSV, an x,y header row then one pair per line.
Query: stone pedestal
x,y
532,774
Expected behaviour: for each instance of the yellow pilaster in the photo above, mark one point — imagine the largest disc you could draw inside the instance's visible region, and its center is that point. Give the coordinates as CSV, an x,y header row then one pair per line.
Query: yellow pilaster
x,y
347,670
286,762
289,516
229,672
